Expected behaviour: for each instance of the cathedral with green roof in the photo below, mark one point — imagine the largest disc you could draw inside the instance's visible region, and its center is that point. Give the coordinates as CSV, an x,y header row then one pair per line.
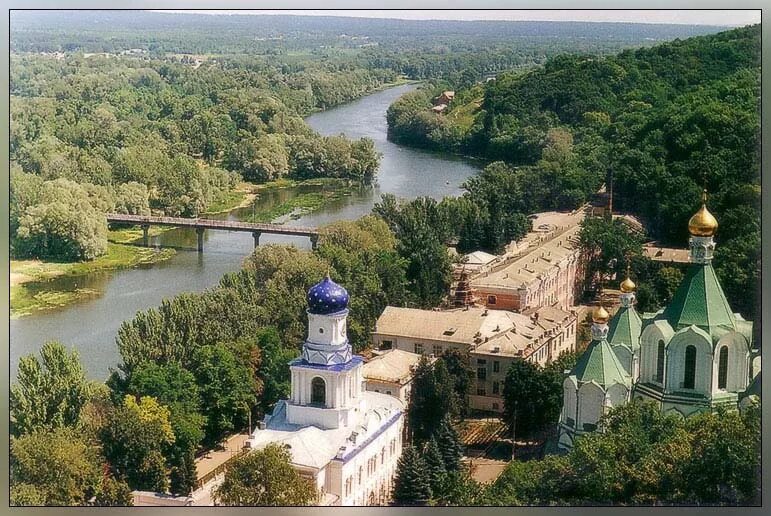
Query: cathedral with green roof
x,y
693,355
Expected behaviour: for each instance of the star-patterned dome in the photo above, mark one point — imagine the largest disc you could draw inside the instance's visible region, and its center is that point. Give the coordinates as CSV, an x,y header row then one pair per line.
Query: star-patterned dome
x,y
327,297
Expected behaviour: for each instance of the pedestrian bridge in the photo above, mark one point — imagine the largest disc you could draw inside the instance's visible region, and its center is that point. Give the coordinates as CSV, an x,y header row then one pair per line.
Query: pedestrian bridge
x,y
200,225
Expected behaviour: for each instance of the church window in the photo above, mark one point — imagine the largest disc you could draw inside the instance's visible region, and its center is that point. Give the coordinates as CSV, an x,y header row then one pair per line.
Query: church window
x,y
660,363
689,379
722,368
318,391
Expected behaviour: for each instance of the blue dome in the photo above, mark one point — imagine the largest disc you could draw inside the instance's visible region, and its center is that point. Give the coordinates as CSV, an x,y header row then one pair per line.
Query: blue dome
x,y
327,297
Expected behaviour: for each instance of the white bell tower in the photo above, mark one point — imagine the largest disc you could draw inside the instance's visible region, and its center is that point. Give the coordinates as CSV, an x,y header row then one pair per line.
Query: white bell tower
x,y
327,379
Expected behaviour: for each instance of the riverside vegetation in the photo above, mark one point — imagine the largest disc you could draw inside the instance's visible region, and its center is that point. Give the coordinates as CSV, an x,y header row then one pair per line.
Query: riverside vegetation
x,y
193,369
662,122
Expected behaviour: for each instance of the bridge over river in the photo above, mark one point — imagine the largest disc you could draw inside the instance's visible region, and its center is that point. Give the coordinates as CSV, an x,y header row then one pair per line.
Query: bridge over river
x,y
256,229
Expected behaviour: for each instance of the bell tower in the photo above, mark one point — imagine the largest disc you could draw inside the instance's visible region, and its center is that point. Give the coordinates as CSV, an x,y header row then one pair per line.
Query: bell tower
x,y
327,379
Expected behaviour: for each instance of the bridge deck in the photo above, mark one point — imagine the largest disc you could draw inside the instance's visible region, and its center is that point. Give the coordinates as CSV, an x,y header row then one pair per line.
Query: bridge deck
x,y
226,225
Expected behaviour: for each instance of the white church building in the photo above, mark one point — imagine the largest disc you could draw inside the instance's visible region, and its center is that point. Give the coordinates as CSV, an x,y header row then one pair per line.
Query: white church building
x,y
347,440
693,355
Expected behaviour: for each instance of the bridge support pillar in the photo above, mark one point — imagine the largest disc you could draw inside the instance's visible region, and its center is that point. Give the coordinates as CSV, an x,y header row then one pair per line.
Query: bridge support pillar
x,y
314,241
256,236
200,239
146,235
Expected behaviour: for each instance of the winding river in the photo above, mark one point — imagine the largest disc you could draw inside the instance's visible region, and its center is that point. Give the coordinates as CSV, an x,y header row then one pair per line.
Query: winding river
x,y
91,326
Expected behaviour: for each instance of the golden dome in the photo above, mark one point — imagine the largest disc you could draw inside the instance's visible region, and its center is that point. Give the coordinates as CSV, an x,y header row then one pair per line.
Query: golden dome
x,y
703,223
600,315
628,286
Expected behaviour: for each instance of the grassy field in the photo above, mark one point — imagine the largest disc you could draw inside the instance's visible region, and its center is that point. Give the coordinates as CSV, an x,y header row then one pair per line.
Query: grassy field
x,y
241,196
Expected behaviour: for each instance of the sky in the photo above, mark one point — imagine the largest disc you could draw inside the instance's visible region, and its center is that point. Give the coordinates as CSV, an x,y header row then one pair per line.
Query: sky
x,y
678,16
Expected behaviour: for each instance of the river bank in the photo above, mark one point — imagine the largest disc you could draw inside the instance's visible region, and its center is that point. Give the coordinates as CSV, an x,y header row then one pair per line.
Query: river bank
x,y
30,279
31,286
90,325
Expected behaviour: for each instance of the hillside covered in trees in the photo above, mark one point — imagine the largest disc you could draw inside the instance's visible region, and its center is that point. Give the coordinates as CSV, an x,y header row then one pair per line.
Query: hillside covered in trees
x,y
137,111
664,122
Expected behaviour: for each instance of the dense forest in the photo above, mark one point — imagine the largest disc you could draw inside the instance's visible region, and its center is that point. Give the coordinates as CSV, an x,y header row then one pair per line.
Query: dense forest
x,y
202,103
663,122
138,112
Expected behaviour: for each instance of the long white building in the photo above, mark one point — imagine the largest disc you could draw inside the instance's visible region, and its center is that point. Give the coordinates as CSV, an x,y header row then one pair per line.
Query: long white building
x,y
347,440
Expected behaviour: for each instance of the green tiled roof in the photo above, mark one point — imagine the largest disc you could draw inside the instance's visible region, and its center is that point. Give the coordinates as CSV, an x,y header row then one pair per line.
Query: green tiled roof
x,y
600,363
625,328
699,300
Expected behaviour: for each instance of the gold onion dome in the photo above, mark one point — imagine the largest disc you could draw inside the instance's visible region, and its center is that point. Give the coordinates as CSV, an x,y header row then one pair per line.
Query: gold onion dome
x,y
703,223
600,315
628,286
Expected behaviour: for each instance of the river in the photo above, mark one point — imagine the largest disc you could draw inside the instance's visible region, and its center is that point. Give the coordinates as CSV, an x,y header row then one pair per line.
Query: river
x,y
90,326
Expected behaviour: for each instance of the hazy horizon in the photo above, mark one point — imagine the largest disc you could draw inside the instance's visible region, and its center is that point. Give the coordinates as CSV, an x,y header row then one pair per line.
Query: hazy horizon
x,y
727,18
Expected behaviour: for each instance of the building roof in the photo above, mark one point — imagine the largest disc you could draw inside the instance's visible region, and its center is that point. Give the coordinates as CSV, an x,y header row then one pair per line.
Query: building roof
x,y
478,258
462,325
314,447
393,366
666,254
524,338
625,328
700,301
538,261
599,363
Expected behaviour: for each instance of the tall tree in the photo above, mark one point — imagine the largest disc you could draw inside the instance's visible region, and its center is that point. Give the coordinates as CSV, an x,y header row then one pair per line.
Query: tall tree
x,y
48,393
458,366
54,467
435,468
449,444
274,370
226,390
133,441
411,485
264,478
432,396
522,390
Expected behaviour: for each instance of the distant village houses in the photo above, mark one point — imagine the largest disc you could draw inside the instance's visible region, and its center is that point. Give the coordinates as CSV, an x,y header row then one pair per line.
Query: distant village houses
x,y
442,101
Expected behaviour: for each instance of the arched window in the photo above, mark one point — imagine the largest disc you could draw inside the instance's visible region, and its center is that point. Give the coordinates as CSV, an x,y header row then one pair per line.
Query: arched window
x,y
318,391
689,379
660,363
722,368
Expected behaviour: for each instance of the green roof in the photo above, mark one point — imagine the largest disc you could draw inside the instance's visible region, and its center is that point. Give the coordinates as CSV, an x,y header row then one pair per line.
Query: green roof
x,y
625,328
600,363
699,300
